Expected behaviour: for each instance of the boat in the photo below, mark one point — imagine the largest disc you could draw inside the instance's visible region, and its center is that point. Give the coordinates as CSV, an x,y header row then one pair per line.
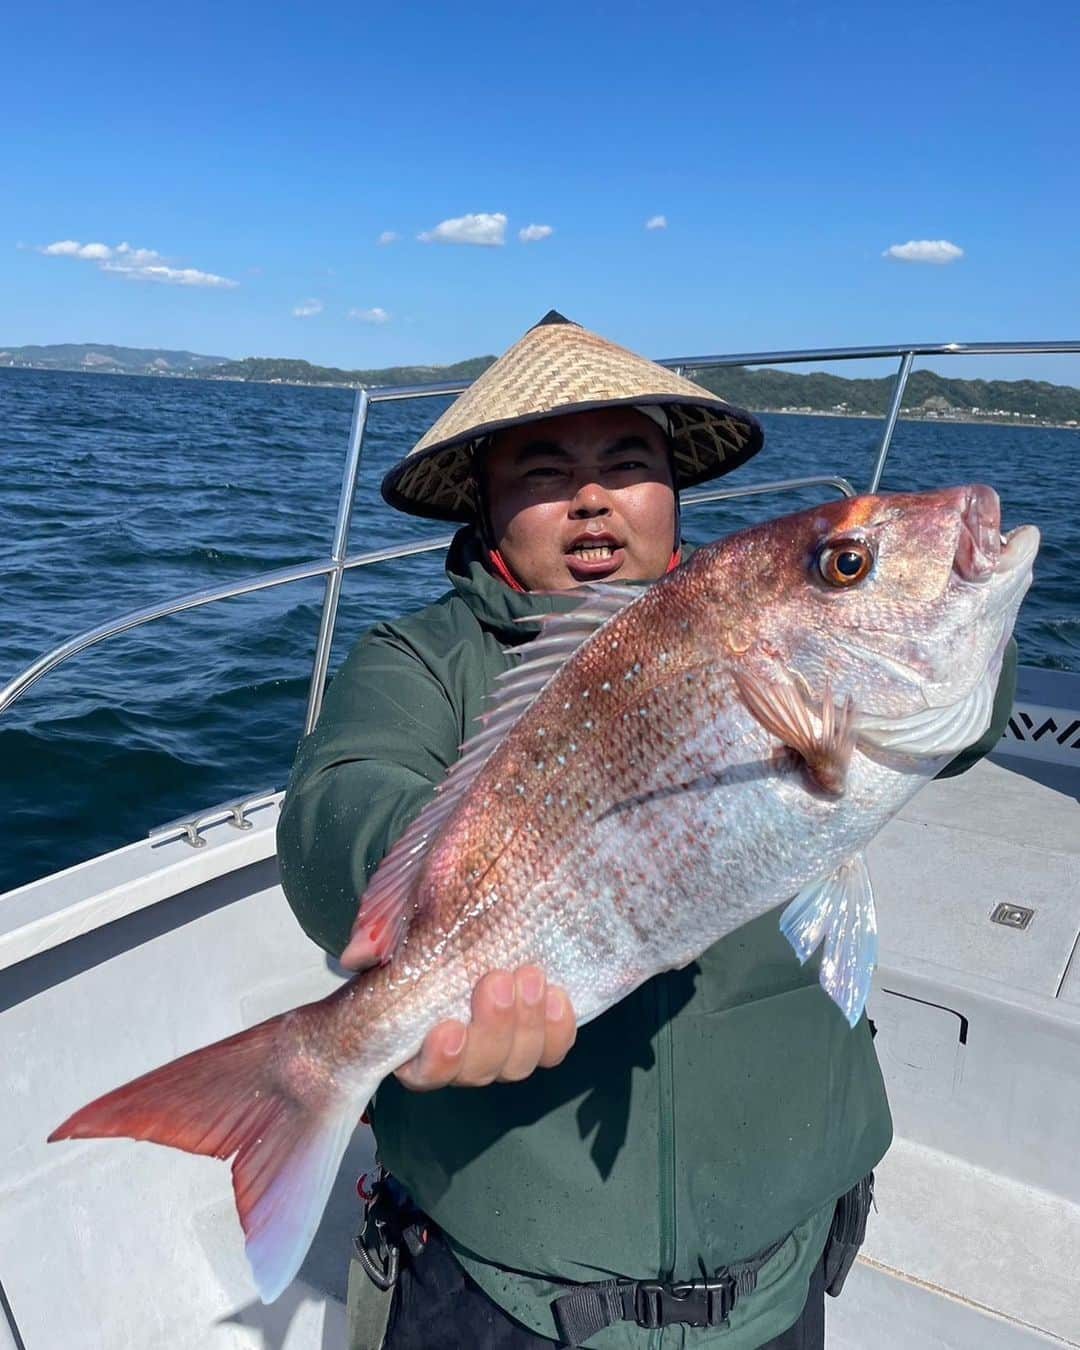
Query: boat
x,y
127,960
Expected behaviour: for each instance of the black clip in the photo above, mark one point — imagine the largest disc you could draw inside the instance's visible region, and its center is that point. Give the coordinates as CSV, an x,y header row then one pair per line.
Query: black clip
x,y
375,1245
648,1304
695,1303
382,1267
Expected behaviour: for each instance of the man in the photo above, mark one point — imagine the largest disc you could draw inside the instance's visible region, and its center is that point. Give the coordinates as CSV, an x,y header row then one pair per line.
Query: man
x,y
703,1130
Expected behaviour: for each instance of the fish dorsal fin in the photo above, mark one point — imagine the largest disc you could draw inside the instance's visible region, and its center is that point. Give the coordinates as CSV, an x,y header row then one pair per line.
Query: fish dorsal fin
x,y
385,907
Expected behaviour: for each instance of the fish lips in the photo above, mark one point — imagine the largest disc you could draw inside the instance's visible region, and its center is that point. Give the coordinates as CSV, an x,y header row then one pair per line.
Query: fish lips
x,y
983,553
1010,575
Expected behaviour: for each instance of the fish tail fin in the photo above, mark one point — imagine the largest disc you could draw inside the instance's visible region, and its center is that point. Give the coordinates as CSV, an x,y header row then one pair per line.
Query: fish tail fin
x,y
839,911
234,1098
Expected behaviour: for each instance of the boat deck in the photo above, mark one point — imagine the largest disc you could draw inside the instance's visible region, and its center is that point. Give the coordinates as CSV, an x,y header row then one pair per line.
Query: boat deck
x,y
133,958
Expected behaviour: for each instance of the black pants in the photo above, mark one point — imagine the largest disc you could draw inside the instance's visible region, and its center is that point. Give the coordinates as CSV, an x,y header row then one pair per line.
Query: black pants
x,y
438,1307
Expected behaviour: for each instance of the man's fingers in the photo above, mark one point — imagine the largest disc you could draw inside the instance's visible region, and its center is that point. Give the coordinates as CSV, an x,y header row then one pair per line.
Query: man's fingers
x,y
518,1024
560,1028
357,954
491,1033
439,1061
530,990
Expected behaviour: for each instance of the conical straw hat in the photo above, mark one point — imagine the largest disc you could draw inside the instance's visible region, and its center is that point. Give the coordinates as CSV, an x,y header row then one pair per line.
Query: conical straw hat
x,y
559,367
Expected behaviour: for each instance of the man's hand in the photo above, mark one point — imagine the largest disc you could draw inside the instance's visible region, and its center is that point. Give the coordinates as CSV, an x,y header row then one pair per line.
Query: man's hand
x,y
518,1024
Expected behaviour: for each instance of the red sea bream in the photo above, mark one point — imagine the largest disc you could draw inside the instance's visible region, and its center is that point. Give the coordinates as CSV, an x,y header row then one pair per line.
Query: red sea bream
x,y
664,765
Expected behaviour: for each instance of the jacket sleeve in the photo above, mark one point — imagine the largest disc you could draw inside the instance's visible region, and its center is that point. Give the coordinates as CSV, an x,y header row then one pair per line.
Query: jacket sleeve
x,y
1003,703
386,737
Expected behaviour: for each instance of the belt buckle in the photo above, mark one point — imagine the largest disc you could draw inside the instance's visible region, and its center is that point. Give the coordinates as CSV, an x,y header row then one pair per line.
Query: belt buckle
x,y
720,1296
648,1304
696,1303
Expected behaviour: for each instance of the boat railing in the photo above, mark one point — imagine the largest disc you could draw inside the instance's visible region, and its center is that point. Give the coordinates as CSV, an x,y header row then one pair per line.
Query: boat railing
x,y
339,561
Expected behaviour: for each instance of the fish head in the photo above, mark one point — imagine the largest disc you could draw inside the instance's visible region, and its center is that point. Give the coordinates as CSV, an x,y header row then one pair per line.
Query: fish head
x,y
901,602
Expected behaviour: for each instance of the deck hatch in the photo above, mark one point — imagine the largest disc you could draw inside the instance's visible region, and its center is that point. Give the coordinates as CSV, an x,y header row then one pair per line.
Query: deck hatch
x,y
1012,916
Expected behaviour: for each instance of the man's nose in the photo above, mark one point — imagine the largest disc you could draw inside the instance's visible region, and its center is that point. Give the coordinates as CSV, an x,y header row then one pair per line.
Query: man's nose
x,y
590,500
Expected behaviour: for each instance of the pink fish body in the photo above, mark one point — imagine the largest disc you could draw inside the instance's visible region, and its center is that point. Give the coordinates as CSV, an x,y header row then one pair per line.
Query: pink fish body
x,y
663,766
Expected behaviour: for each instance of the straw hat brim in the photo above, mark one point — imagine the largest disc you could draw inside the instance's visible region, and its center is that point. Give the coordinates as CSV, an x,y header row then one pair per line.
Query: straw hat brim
x,y
555,370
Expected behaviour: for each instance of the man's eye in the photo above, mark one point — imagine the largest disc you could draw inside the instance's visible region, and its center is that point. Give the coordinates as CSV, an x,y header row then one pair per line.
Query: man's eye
x,y
629,465
543,471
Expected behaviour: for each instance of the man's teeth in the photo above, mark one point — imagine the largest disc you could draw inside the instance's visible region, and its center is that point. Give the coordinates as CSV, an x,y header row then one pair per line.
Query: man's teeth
x,y
594,552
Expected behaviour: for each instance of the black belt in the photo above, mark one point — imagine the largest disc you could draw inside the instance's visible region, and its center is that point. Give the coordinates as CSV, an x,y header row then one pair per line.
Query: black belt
x,y
586,1309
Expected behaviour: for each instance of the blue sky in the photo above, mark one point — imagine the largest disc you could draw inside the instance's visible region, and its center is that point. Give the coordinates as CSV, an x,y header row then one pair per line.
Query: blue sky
x,y
786,146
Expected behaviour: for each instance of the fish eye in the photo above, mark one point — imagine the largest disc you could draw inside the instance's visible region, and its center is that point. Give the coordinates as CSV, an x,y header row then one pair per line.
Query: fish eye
x,y
845,562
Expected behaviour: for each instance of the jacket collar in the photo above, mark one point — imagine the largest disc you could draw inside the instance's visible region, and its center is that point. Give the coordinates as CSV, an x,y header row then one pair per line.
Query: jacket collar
x,y
495,605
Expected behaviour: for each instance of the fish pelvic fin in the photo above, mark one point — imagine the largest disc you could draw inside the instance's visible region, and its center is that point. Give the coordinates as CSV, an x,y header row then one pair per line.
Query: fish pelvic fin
x,y
824,743
839,911
228,1099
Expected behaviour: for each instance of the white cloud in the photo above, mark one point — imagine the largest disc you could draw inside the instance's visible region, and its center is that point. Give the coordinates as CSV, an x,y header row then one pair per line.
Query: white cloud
x,y
307,308
487,229
172,276
656,223
373,315
531,233
388,237
924,251
71,248
136,264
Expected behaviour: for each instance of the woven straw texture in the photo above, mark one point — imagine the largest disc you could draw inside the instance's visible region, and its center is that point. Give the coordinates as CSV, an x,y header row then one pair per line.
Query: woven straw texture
x,y
561,368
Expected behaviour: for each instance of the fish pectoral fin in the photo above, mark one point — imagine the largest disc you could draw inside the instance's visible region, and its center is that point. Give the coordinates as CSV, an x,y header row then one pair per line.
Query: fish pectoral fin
x,y
823,742
840,911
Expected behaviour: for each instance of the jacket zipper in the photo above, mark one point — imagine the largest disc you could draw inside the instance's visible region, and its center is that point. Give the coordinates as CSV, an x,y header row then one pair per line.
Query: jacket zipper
x,y
665,1137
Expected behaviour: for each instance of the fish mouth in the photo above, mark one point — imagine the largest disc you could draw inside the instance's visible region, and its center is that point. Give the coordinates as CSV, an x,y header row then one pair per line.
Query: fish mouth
x,y
980,543
982,551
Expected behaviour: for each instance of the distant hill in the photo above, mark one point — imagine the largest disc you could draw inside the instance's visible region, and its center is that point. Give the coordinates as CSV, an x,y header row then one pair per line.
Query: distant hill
x,y
114,360
283,370
928,394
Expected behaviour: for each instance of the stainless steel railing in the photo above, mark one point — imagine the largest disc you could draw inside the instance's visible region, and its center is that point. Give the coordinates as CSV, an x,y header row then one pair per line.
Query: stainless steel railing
x,y
339,561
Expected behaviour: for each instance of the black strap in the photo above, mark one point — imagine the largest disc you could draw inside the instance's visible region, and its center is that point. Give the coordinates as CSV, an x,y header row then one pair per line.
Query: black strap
x,y
847,1234
586,1309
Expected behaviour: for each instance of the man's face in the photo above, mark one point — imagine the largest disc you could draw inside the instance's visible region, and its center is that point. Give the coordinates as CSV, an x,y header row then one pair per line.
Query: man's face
x,y
583,497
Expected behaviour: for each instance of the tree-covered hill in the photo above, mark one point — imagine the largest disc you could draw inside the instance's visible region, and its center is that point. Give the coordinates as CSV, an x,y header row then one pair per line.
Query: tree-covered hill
x,y
764,388
282,369
103,357
926,391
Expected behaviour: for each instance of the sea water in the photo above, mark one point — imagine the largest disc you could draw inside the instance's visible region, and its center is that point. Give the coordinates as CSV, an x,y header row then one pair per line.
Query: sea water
x,y
118,492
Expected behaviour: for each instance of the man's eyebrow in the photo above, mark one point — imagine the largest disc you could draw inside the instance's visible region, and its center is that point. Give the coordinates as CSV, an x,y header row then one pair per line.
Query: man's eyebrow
x,y
541,450
553,450
624,443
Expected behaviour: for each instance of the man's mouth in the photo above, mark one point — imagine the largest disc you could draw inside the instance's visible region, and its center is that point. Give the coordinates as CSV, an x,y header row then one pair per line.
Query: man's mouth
x,y
594,556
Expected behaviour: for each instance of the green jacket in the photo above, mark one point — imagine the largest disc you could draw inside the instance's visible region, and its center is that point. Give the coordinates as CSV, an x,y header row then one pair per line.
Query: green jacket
x,y
710,1113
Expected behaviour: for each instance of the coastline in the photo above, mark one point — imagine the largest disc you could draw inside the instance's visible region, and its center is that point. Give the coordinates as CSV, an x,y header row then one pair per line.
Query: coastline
x,y
915,415
958,415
